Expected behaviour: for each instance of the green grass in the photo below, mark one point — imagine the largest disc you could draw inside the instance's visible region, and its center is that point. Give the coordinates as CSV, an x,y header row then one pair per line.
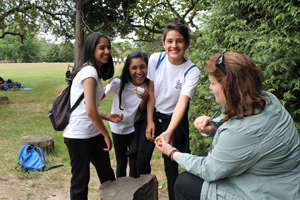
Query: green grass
x,y
26,113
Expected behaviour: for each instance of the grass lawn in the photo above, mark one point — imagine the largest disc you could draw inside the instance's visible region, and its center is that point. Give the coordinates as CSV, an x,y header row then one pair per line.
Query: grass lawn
x,y
26,113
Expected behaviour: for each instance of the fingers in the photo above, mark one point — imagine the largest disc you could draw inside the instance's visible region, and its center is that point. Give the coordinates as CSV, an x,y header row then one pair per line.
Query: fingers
x,y
201,122
150,132
143,95
121,117
108,143
150,137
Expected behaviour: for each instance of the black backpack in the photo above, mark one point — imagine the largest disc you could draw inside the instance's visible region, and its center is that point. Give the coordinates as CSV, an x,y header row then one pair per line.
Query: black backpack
x,y
61,110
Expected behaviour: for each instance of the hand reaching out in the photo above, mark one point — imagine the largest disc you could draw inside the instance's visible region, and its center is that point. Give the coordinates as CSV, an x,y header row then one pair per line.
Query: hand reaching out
x,y
115,117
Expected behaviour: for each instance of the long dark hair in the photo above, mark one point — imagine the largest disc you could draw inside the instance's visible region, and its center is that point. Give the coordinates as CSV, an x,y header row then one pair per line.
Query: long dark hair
x,y
125,76
178,25
106,71
242,85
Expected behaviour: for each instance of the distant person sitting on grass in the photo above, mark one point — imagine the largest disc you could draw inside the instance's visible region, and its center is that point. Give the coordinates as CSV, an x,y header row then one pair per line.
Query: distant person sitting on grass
x,y
255,151
9,85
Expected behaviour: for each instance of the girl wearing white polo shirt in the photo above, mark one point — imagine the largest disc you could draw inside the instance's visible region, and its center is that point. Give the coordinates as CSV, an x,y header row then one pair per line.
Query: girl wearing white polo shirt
x,y
86,136
130,98
173,79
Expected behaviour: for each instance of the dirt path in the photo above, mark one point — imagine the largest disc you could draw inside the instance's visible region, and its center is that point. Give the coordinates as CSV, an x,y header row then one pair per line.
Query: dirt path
x,y
49,186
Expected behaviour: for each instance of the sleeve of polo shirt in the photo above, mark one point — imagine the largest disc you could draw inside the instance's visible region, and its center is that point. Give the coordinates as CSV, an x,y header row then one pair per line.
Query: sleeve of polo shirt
x,y
191,82
87,72
113,87
152,66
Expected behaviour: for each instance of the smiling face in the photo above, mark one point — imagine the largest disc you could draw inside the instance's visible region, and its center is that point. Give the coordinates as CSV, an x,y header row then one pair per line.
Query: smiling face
x,y
138,71
175,46
217,89
102,52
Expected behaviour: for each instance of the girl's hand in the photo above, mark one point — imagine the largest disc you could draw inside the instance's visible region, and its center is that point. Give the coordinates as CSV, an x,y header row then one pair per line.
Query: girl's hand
x,y
115,118
143,96
166,136
163,146
150,132
108,143
203,125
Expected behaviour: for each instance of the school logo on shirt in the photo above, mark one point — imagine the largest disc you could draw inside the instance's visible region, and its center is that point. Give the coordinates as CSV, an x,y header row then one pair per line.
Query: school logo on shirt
x,y
178,85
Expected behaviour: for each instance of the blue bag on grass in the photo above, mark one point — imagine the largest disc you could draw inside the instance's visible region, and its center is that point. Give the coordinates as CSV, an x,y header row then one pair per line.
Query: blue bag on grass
x,y
32,158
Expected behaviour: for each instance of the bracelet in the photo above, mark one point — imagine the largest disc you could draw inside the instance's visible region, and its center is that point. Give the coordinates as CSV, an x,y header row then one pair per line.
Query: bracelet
x,y
172,153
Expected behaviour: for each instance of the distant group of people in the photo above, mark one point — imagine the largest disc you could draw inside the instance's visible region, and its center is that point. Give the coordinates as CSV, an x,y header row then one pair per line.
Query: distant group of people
x,y
256,146
119,60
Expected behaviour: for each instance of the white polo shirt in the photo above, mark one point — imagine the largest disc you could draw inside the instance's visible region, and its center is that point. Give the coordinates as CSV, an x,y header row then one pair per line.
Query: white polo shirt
x,y
80,126
130,104
170,82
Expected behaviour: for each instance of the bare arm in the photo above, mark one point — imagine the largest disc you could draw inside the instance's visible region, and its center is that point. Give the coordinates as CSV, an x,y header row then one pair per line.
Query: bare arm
x,y
177,116
89,86
150,131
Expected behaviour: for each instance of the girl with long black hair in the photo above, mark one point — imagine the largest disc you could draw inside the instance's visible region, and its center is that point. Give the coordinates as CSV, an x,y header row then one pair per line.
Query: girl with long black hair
x,y
86,136
130,99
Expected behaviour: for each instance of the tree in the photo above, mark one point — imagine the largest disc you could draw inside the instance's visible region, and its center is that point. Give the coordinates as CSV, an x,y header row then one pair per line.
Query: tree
x,y
145,19
66,52
25,18
53,53
114,52
31,50
9,48
148,47
268,31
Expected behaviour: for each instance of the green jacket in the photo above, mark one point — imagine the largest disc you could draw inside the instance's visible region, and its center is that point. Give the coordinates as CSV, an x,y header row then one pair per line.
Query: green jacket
x,y
256,157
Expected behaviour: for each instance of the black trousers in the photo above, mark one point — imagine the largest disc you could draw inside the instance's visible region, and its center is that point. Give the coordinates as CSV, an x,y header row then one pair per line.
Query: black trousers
x,y
122,144
171,167
82,152
188,187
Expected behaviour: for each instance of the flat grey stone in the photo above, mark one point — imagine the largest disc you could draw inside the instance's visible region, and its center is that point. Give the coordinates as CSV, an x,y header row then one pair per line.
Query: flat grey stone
x,y
127,188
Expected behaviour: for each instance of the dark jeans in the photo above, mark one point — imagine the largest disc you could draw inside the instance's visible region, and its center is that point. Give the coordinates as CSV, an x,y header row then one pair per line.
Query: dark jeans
x,y
188,187
121,144
82,152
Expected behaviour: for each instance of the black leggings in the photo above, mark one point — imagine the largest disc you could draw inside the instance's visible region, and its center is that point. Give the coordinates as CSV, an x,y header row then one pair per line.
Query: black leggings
x,y
121,145
188,187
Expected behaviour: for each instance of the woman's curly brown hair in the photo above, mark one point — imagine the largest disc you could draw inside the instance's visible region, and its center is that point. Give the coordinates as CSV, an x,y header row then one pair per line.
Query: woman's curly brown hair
x,y
242,85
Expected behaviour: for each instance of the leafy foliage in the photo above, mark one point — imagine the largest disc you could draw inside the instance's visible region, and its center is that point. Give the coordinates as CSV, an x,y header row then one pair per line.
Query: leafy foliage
x,y
268,31
27,17
31,50
11,48
53,53
66,53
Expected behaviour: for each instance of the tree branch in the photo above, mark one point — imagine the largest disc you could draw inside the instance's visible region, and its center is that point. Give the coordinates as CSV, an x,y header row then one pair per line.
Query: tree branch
x,y
11,33
174,11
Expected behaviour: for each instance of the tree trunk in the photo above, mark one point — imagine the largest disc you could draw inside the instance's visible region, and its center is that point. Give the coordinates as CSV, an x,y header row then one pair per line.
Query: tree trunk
x,y
79,34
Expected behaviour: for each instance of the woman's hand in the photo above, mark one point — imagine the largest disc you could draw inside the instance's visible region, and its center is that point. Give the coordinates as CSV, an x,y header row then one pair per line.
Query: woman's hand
x,y
203,125
163,146
115,118
108,143
150,132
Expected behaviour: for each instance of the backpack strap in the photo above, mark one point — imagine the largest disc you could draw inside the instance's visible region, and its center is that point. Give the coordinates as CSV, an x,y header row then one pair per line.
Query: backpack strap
x,y
76,103
187,71
160,59
41,152
24,148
